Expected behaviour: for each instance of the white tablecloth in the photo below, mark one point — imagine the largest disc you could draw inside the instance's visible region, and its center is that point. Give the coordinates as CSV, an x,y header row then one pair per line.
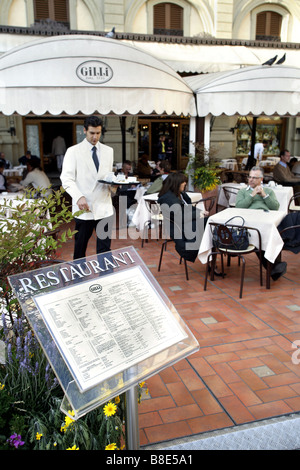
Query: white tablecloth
x,y
12,200
142,215
265,222
283,195
229,164
16,171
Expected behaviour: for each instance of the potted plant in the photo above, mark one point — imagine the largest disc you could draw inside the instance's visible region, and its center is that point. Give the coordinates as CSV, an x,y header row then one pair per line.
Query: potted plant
x,y
204,171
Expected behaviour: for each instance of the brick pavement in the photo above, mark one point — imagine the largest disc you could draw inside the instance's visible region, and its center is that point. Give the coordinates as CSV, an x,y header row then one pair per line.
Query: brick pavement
x,y
243,371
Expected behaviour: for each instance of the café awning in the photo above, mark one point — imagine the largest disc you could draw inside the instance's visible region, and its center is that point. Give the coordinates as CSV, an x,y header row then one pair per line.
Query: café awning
x,y
269,90
213,55
85,74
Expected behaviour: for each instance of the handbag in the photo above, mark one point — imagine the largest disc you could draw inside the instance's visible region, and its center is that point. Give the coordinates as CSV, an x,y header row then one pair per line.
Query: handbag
x,y
240,236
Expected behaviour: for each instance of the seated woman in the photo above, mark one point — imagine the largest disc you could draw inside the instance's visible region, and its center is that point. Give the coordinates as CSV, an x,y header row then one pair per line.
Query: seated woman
x,y
186,225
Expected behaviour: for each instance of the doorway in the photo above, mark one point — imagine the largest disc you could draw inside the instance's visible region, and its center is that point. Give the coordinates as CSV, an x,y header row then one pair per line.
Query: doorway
x,y
174,134
49,131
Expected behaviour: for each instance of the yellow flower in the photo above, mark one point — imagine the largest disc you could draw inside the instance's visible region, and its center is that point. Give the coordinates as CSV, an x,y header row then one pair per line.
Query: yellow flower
x,y
73,448
141,384
110,409
117,399
68,421
111,446
38,436
1,386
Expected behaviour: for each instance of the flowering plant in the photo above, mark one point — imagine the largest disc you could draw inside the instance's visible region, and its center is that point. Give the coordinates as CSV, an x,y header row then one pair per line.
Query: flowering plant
x,y
30,396
203,168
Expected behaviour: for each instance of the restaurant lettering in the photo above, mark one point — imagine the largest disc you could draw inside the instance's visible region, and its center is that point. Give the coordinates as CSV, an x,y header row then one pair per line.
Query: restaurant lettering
x,y
72,271
94,71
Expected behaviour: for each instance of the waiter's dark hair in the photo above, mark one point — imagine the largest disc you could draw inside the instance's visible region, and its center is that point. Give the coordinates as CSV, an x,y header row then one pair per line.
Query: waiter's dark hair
x,y
93,121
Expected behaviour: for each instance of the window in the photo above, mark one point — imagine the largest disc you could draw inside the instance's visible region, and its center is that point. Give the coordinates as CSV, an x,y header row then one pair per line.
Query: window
x,y
168,19
268,26
56,10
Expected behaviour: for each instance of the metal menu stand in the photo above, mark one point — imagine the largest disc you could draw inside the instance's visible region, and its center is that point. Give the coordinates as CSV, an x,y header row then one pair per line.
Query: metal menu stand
x,y
105,325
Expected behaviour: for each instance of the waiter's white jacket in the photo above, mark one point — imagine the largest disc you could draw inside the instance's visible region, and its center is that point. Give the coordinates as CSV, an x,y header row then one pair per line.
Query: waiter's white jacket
x,y
79,178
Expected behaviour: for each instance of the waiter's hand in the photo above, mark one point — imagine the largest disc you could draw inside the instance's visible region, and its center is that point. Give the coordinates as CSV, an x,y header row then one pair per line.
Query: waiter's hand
x,y
82,204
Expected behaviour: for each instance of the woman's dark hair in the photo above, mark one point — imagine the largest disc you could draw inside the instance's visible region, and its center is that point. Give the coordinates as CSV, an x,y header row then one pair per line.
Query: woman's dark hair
x,y
172,183
93,121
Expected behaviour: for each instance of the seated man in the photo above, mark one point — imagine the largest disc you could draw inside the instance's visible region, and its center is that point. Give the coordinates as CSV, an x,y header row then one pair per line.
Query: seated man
x,y
37,179
127,190
255,196
165,169
3,184
283,175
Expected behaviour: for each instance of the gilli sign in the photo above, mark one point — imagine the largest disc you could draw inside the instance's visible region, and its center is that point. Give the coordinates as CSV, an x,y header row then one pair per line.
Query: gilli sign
x,y
94,72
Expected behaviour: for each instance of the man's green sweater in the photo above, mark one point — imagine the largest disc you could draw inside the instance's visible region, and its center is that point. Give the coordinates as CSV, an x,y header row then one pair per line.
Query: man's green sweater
x,y
246,201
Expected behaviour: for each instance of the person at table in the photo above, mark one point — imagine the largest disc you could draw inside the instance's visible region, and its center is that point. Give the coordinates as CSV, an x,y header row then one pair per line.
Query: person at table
x,y
177,206
84,164
282,173
127,190
255,196
126,169
28,157
259,149
37,179
164,170
3,183
144,170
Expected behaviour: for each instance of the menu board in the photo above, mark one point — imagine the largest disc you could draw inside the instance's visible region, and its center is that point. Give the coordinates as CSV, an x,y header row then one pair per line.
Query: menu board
x,y
107,325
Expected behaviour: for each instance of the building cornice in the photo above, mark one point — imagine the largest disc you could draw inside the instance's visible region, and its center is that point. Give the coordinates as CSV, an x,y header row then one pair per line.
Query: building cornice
x,y
49,30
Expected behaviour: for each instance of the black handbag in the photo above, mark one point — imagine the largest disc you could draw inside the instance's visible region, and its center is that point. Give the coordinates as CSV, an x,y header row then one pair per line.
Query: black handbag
x,y
240,236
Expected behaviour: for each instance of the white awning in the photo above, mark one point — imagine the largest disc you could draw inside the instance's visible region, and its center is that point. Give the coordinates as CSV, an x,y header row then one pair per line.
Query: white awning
x,y
251,90
86,74
210,58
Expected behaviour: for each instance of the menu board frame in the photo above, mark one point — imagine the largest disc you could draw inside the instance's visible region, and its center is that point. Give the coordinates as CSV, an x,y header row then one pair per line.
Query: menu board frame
x,y
88,314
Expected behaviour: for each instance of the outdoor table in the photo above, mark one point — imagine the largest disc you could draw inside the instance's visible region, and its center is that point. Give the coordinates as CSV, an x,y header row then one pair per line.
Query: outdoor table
x,y
142,215
265,222
13,200
283,195
230,164
15,171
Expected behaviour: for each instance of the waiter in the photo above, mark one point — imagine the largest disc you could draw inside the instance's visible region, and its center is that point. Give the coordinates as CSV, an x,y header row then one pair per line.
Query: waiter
x,y
84,164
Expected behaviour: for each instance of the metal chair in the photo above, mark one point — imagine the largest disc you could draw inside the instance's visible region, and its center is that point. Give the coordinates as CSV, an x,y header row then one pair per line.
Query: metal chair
x,y
292,207
289,229
229,192
168,239
209,203
224,234
155,217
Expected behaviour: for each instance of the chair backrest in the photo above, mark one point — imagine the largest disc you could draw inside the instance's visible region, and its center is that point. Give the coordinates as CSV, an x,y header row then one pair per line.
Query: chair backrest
x,y
209,203
153,207
229,192
289,229
233,237
222,236
292,207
